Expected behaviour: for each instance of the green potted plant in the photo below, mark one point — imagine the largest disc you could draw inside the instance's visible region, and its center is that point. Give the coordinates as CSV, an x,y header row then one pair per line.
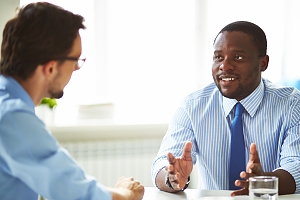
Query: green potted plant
x,y
45,110
51,103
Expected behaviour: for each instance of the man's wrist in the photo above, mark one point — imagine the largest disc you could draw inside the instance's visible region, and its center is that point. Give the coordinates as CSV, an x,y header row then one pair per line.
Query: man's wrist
x,y
169,185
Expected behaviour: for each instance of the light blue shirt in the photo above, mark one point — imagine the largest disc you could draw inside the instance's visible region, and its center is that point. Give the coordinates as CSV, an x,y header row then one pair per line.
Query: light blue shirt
x,y
271,120
31,160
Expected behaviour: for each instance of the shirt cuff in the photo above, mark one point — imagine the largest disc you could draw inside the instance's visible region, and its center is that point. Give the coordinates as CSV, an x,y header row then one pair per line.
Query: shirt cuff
x,y
158,165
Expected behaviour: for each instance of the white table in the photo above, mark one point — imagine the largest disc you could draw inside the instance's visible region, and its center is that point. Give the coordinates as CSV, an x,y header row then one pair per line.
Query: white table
x,y
152,193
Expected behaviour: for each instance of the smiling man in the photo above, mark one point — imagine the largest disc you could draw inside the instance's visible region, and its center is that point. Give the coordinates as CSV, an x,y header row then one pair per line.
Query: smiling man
x,y
40,50
204,128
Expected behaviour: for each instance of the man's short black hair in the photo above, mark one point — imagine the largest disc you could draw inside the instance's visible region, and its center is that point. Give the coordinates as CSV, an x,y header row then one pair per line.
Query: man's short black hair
x,y
254,31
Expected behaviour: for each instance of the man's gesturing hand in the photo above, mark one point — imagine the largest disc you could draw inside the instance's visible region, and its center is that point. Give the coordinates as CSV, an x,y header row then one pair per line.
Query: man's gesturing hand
x,y
180,168
253,168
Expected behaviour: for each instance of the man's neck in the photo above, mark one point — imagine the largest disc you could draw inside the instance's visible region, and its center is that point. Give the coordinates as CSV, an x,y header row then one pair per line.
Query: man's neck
x,y
34,86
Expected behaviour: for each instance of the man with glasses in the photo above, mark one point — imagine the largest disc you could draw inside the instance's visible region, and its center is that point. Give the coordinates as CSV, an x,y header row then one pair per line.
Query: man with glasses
x,y
41,48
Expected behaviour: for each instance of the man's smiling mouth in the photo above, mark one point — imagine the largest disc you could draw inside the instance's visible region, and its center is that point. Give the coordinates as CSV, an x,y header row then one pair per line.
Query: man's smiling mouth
x,y
228,79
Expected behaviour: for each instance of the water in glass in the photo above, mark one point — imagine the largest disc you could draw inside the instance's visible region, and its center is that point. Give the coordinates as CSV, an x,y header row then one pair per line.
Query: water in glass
x,y
263,194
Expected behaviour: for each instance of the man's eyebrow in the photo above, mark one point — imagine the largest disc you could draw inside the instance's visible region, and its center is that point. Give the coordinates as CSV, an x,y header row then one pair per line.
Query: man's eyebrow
x,y
234,51
217,51
239,51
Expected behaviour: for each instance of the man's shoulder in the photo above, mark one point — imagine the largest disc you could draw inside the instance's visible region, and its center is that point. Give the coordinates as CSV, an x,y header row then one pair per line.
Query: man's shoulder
x,y
206,92
279,91
10,104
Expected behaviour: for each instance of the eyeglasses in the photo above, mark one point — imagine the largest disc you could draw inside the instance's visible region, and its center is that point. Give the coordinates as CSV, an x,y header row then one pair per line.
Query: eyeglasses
x,y
80,61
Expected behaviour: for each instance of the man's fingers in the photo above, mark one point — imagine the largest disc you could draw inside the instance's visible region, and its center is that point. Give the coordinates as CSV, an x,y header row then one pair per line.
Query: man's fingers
x,y
256,170
173,177
246,175
254,154
171,158
186,153
170,169
243,191
241,183
249,167
175,185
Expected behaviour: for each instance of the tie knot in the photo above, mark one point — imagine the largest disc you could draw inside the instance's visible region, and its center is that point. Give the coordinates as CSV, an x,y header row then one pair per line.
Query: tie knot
x,y
239,108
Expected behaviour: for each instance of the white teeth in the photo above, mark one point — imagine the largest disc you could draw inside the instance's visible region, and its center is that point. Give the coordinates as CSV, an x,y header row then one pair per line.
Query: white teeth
x,y
228,79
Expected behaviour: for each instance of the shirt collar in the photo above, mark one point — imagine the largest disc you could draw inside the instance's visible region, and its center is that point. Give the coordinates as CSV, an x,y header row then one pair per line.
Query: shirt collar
x,y
15,90
250,103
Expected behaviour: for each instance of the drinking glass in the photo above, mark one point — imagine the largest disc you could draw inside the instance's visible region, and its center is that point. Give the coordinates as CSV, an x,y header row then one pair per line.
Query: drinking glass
x,y
263,187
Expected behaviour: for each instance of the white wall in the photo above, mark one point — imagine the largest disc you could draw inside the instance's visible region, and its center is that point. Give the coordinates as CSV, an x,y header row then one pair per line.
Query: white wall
x,y
7,11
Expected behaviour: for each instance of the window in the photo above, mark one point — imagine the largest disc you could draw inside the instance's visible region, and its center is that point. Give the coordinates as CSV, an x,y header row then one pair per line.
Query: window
x,y
145,56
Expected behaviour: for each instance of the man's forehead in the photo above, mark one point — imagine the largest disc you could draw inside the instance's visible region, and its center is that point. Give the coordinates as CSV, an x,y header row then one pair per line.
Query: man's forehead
x,y
236,40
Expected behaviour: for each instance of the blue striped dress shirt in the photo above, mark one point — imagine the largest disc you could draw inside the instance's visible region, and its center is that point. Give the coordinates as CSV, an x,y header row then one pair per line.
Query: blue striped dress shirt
x,y
271,120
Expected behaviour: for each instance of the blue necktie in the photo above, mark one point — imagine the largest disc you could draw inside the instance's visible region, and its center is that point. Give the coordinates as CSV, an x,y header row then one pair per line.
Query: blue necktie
x,y
237,153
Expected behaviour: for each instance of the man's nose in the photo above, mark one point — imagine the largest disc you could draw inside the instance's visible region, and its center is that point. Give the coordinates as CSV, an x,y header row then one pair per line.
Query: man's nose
x,y
76,68
226,65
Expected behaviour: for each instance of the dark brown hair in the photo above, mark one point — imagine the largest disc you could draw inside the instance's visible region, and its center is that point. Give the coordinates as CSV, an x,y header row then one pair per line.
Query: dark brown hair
x,y
40,32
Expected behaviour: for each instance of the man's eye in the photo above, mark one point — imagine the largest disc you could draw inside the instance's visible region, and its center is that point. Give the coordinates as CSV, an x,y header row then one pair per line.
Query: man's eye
x,y
237,57
217,57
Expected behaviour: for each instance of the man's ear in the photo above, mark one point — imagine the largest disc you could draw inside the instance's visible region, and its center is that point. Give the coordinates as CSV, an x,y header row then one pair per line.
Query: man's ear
x,y
264,61
49,69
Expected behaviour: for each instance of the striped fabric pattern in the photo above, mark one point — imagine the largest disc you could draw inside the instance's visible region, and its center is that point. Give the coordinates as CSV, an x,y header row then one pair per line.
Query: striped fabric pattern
x,y
271,120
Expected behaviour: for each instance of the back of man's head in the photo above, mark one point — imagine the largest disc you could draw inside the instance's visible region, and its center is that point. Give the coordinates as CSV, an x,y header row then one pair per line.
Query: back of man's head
x,y
39,33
